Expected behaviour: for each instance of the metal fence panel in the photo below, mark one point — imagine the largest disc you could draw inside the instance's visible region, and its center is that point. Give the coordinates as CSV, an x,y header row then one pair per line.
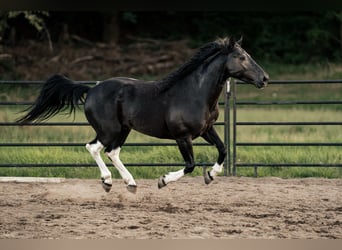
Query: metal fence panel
x,y
237,124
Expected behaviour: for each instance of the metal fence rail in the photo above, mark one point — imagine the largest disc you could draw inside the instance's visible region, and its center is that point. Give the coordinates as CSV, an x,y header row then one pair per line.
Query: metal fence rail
x,y
237,124
230,103
82,144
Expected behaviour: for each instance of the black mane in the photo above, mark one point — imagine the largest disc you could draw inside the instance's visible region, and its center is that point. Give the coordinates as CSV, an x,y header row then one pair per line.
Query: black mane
x,y
206,51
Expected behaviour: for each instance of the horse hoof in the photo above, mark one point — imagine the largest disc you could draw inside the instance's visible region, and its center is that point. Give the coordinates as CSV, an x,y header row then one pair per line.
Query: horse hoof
x,y
106,186
161,182
207,178
132,188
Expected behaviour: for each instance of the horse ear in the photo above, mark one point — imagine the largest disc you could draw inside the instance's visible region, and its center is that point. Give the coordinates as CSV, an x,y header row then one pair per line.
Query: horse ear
x,y
240,41
231,42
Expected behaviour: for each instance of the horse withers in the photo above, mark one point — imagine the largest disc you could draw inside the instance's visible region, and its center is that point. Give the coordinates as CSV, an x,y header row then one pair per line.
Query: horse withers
x,y
182,106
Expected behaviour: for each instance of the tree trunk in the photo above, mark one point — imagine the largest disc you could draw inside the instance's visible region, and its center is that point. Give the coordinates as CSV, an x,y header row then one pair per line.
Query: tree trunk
x,y
111,28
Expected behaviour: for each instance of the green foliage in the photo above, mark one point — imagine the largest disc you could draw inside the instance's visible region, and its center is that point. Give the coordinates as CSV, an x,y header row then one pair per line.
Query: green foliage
x,y
288,37
35,18
129,17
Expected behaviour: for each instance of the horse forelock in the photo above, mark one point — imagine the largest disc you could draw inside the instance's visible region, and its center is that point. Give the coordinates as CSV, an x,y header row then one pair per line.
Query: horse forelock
x,y
224,44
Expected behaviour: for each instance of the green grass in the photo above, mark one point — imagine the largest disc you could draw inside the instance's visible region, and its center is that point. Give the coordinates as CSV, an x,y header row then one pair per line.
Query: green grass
x,y
155,154
322,70
170,154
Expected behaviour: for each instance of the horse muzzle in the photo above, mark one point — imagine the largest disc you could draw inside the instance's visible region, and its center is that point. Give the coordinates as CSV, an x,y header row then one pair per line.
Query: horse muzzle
x,y
263,83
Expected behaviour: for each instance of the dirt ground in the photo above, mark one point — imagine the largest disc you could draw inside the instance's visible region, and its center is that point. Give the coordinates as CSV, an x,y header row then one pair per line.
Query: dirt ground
x,y
230,207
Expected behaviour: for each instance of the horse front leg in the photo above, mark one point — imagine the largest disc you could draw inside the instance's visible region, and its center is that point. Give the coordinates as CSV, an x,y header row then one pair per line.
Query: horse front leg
x,y
212,137
185,147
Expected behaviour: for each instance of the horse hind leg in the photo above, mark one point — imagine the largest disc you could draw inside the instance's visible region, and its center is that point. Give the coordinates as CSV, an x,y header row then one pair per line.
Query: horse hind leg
x,y
94,149
113,153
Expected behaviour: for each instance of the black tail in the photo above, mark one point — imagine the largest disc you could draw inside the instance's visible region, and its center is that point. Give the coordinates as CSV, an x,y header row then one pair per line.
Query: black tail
x,y
57,94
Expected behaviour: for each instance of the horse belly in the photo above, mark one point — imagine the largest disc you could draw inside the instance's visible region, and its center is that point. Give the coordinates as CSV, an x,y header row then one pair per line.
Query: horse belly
x,y
152,127
147,119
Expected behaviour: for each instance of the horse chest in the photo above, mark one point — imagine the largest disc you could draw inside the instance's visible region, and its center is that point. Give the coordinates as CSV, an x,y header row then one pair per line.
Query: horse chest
x,y
192,121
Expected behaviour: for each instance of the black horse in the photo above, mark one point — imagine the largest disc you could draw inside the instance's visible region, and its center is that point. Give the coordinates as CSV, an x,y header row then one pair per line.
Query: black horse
x,y
182,106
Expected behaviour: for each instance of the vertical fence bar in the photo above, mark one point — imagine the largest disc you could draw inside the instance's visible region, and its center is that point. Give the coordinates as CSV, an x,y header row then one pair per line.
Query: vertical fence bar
x,y
234,126
227,169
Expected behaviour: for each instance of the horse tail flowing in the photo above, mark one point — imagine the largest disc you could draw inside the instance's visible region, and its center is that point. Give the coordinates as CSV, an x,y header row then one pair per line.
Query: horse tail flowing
x,y
57,94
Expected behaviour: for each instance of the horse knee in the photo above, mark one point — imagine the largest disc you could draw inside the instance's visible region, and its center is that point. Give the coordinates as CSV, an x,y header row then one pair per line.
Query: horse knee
x,y
222,154
113,154
222,150
94,148
189,170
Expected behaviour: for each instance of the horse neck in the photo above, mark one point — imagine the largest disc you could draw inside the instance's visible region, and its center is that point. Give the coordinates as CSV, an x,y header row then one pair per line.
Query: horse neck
x,y
211,79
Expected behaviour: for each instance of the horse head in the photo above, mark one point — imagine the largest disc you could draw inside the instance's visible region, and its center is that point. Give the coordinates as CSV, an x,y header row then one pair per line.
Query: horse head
x,y
241,65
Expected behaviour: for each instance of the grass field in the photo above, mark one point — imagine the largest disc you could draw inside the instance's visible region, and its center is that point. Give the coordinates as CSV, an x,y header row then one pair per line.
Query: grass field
x,y
170,154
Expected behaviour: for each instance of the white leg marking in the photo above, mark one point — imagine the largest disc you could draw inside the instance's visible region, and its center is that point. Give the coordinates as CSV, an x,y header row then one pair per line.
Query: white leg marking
x,y
216,170
95,150
174,176
125,174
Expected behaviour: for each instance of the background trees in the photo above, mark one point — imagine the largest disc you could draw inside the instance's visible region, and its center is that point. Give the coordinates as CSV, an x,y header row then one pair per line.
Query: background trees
x,y
289,37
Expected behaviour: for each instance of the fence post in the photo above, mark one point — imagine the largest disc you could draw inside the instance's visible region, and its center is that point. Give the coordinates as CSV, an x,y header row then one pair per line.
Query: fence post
x,y
227,169
234,127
